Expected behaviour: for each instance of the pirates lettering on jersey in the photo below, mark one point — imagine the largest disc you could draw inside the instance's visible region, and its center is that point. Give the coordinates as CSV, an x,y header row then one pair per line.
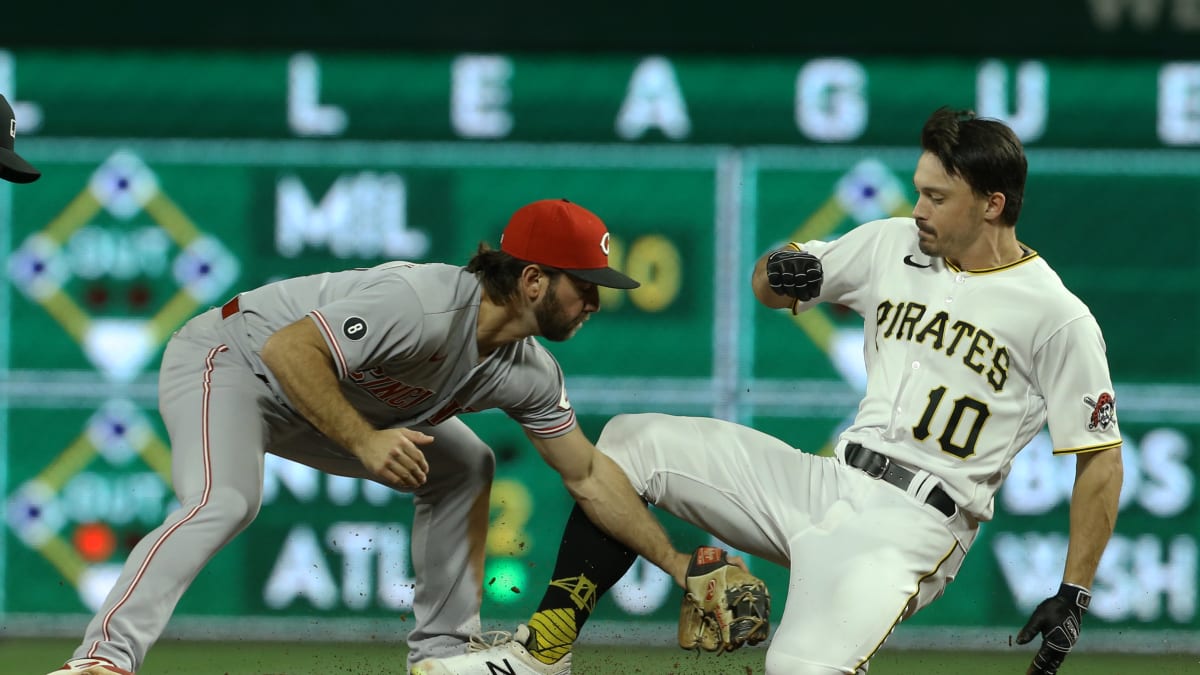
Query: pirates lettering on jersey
x,y
977,348
389,390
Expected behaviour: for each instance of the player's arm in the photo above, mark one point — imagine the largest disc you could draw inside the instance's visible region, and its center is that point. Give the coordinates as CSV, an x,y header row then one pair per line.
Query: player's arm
x,y
1071,368
1059,618
762,288
604,493
1098,478
301,362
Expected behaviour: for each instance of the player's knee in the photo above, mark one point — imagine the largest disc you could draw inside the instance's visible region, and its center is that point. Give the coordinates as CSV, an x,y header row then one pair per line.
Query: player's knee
x,y
481,466
232,508
624,434
470,465
630,441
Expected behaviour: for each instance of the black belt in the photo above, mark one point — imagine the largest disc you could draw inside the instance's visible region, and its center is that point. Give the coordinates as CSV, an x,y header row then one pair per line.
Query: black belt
x,y
882,467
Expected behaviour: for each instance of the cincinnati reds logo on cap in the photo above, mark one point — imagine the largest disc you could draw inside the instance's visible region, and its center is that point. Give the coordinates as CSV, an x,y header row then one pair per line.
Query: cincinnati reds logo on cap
x,y
558,233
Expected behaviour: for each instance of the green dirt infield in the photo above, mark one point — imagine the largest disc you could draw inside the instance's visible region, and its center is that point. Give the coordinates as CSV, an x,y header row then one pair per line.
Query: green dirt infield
x,y
172,657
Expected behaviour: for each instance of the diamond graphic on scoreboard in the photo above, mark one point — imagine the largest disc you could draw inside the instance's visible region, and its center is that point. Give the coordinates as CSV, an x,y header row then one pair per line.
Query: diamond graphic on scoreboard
x,y
77,493
120,348
34,513
37,268
869,191
124,185
95,582
205,269
117,430
83,249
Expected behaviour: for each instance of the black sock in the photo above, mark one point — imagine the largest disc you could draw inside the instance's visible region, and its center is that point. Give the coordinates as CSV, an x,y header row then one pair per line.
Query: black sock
x,y
589,563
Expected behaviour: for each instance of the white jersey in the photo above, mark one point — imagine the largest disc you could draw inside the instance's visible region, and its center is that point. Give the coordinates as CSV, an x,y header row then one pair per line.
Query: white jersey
x,y
966,366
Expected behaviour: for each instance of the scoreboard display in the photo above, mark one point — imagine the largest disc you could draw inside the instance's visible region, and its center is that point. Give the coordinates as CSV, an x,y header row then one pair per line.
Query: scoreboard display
x,y
174,180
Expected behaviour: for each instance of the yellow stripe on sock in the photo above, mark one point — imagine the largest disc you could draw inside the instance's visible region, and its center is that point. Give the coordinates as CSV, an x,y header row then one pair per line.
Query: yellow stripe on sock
x,y
554,634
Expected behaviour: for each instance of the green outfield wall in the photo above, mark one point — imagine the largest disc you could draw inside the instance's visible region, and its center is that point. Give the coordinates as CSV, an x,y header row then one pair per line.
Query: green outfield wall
x,y
173,180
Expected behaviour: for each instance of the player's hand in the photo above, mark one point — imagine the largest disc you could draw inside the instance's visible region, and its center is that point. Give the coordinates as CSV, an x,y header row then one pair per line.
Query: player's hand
x,y
1058,620
795,274
392,456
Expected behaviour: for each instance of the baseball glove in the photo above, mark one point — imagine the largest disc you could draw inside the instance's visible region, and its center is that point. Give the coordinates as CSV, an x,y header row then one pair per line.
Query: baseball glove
x,y
724,606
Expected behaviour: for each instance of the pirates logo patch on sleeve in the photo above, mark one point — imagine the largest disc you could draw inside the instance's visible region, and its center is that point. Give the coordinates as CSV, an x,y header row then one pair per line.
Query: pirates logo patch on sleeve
x,y
1104,411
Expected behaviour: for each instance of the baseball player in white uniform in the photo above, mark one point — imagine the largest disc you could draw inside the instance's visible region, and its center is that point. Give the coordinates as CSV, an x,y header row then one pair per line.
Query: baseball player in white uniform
x,y
972,346
363,373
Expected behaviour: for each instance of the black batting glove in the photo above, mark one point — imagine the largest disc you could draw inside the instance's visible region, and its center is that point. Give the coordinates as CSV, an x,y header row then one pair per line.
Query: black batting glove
x,y
1058,619
794,274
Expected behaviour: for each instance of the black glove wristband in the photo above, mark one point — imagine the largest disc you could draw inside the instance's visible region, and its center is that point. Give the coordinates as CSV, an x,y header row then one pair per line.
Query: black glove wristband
x,y
1076,597
795,274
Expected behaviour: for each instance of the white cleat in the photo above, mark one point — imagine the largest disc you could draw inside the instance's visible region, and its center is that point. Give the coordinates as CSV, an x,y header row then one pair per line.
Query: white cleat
x,y
90,667
495,653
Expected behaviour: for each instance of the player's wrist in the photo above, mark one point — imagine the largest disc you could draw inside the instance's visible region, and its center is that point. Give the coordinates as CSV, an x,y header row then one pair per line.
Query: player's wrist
x,y
677,566
1077,597
356,437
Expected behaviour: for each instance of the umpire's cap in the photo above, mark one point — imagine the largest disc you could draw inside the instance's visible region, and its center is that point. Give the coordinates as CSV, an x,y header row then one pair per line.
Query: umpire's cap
x,y
558,233
12,167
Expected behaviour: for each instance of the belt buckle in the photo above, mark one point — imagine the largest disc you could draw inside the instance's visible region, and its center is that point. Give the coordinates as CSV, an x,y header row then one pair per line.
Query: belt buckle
x,y
887,462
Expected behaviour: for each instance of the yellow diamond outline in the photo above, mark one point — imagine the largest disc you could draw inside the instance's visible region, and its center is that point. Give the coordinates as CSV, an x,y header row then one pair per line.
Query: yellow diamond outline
x,y
73,318
69,463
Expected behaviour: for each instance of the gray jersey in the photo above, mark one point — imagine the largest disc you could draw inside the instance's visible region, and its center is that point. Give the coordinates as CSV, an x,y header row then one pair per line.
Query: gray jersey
x,y
403,340
965,367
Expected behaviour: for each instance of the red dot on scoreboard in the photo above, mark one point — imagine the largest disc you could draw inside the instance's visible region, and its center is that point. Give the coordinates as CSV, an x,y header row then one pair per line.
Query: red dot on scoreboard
x,y
95,541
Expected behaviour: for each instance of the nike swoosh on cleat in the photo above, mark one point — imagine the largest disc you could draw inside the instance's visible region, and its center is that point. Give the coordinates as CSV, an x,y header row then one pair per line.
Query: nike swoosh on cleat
x,y
908,260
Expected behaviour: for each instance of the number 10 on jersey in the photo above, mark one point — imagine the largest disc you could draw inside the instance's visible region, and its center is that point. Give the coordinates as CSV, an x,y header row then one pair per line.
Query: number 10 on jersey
x,y
965,410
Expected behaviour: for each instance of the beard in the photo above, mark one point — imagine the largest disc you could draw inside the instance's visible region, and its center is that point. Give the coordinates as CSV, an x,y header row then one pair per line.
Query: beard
x,y
553,322
928,244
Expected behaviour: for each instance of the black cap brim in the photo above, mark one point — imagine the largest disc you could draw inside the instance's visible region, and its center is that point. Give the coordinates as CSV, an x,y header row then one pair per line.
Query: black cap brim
x,y
605,276
15,169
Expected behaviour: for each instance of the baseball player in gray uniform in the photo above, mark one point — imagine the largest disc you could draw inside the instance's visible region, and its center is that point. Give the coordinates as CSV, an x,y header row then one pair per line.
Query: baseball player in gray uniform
x,y
973,345
363,373
13,167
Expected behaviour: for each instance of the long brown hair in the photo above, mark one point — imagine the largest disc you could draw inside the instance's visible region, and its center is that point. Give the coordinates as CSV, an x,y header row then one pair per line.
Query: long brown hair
x,y
499,272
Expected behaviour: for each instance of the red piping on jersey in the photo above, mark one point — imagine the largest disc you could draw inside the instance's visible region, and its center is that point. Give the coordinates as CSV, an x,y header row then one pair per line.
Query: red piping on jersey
x,y
337,349
208,370
549,431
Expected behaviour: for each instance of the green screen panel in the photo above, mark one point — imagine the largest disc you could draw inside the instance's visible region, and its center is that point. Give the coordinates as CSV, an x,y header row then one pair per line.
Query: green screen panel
x,y
109,265
834,99
1065,218
687,220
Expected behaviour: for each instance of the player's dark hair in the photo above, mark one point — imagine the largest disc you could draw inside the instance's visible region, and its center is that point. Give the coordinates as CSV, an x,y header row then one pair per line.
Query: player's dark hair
x,y
985,153
499,272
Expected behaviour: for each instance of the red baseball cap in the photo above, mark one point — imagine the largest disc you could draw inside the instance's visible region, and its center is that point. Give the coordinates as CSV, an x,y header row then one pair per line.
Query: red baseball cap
x,y
558,233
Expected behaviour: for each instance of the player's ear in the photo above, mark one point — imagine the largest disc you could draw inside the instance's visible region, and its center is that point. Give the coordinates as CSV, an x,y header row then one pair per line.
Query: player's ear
x,y
995,206
534,282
